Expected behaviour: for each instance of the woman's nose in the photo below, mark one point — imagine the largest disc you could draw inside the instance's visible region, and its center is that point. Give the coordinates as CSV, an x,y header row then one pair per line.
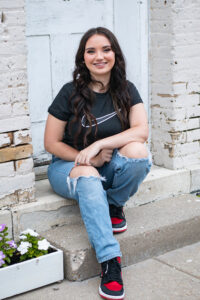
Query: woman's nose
x,y
99,55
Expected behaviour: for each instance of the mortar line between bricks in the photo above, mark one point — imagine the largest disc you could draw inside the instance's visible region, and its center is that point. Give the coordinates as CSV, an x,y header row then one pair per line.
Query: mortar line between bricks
x,y
177,269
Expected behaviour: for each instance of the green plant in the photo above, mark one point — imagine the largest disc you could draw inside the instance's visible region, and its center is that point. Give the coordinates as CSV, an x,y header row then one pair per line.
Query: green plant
x,y
29,246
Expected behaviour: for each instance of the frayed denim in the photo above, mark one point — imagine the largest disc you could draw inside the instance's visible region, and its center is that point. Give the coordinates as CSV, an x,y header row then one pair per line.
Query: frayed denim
x,y
119,179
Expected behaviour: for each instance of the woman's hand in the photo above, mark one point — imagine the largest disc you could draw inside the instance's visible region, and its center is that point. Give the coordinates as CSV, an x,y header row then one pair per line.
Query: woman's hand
x,y
84,157
105,155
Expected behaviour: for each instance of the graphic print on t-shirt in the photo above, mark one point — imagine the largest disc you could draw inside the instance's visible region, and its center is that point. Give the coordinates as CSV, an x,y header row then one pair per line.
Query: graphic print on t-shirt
x,y
99,120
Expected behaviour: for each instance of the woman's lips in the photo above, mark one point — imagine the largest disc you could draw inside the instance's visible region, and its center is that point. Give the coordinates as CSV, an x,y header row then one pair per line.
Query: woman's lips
x,y
100,65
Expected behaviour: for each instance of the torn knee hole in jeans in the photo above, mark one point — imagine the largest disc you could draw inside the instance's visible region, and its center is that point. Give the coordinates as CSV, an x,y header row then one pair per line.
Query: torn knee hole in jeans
x,y
135,159
72,181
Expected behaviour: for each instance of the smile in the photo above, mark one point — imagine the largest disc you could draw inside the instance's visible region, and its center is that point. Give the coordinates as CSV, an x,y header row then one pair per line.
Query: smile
x,y
100,64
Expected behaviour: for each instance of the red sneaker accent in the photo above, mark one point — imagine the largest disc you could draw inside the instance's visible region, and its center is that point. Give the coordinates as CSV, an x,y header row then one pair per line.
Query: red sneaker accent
x,y
119,259
116,220
113,286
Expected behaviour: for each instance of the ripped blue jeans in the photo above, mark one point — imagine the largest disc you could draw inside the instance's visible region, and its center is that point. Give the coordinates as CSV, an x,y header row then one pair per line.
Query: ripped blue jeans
x,y
119,180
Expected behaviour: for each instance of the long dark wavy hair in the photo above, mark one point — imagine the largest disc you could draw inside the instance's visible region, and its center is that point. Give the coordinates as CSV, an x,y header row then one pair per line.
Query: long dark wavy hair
x,y
84,96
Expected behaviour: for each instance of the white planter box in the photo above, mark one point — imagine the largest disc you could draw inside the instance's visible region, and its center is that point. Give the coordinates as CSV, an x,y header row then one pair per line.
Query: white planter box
x,y
31,274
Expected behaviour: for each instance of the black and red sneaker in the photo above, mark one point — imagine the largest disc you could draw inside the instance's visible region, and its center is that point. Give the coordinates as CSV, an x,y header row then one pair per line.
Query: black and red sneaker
x,y
117,218
111,286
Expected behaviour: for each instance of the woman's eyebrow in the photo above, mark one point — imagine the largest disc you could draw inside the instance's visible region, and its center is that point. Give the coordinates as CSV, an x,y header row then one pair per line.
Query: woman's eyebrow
x,y
92,48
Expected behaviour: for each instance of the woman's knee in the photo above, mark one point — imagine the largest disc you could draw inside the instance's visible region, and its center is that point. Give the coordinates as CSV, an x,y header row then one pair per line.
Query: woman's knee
x,y
134,150
83,171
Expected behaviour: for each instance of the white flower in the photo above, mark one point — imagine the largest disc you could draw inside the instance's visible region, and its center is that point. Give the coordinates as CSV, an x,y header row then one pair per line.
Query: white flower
x,y
43,245
23,247
22,237
30,231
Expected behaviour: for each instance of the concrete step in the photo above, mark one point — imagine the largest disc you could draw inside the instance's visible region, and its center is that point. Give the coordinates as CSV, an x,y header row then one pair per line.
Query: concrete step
x,y
153,229
51,210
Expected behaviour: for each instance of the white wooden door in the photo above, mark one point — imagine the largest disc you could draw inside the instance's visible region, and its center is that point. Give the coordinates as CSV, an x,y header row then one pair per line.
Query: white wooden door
x,y
54,29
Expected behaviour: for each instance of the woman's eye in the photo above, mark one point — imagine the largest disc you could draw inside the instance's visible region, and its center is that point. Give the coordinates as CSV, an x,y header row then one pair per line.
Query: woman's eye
x,y
90,51
107,49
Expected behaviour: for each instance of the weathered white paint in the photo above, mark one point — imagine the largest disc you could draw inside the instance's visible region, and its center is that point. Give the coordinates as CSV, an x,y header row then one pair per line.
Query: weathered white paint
x,y
131,28
108,15
144,43
39,74
59,16
62,58
53,34
127,29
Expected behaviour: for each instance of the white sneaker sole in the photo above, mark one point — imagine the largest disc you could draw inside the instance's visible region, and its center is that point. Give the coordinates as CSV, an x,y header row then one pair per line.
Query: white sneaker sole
x,y
117,230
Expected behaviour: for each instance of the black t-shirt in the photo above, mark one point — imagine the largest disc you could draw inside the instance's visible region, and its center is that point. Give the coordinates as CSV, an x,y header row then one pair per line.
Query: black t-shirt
x,y
103,110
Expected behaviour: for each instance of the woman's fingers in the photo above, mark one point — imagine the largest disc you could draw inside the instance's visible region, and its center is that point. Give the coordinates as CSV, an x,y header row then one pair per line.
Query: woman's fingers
x,y
84,156
82,159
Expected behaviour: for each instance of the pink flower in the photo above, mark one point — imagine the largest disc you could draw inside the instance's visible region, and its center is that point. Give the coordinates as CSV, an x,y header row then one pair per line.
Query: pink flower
x,y
2,262
2,255
12,244
2,227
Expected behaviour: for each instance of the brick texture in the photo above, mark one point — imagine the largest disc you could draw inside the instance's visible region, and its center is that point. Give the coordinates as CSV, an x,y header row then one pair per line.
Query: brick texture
x,y
16,165
14,153
5,139
22,137
175,82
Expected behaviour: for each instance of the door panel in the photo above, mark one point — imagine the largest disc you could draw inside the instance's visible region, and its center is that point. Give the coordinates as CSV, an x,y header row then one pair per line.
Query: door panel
x,y
128,33
39,75
63,50
59,16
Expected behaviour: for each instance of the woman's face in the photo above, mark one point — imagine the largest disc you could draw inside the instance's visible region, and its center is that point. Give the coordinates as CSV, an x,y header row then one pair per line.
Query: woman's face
x,y
98,56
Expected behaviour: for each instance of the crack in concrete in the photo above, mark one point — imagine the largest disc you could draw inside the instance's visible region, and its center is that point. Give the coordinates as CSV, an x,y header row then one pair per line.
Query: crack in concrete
x,y
176,268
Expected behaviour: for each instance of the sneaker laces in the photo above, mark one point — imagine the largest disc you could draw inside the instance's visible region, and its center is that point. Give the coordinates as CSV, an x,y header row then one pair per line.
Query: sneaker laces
x,y
116,212
111,271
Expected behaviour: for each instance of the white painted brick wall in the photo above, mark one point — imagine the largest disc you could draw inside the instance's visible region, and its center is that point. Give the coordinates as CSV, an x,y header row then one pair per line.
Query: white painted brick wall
x,y
12,33
193,135
13,94
175,76
26,195
15,17
20,108
9,185
13,63
5,110
4,140
11,4
24,166
167,100
17,178
21,137
13,79
16,123
7,169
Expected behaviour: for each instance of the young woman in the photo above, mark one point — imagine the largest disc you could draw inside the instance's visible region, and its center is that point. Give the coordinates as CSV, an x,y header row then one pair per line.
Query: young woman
x,y
96,130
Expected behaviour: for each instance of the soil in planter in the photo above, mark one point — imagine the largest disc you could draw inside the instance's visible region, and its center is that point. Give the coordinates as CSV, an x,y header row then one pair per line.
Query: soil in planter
x,y
15,258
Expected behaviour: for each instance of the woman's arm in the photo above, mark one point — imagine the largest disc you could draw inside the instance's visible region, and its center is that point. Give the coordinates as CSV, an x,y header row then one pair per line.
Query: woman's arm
x,y
53,144
138,132
53,139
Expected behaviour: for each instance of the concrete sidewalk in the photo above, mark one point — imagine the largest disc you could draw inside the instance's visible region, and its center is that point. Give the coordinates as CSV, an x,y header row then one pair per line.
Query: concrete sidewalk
x,y
172,276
